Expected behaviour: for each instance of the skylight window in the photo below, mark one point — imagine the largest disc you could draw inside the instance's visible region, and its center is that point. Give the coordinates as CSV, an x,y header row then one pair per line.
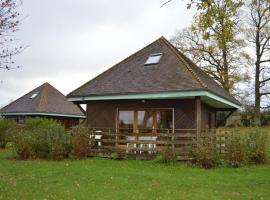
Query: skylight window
x,y
153,59
34,95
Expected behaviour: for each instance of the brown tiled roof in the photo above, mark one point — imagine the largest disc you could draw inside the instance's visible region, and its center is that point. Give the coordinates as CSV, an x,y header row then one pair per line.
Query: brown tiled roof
x,y
48,100
174,72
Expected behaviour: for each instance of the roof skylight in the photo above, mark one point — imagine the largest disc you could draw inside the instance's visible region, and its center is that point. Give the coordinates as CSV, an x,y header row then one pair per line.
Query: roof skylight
x,y
153,59
34,95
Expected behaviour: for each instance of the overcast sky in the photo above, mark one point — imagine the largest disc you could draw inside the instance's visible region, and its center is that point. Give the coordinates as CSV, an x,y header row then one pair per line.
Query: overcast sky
x,y
70,42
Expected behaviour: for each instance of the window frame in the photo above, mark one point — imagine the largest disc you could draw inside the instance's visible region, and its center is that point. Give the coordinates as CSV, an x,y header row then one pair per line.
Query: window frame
x,y
135,116
34,95
147,62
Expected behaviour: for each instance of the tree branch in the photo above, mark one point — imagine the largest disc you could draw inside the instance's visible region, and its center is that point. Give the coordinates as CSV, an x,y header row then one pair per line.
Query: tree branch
x,y
264,61
166,3
264,93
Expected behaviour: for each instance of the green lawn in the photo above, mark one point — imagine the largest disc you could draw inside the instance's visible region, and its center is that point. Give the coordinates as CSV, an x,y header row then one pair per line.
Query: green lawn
x,y
95,178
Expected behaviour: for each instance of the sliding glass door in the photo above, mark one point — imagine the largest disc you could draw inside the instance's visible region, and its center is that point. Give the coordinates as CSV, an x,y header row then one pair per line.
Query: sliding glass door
x,y
125,121
145,120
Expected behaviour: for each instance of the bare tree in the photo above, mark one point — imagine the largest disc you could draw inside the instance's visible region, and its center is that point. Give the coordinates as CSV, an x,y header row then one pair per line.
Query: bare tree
x,y
258,34
10,20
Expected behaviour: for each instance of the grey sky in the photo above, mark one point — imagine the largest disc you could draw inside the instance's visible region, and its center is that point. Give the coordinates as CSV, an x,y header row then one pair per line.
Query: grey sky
x,y
71,41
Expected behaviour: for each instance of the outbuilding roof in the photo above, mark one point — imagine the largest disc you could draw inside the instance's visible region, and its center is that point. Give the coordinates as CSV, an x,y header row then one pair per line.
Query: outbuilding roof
x,y
43,100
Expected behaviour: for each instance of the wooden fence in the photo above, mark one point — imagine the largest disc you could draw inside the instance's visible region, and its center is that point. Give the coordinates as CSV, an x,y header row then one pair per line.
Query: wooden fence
x,y
145,143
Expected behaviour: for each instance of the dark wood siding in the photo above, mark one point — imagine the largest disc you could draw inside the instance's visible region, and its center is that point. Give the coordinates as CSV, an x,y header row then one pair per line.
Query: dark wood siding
x,y
208,117
103,113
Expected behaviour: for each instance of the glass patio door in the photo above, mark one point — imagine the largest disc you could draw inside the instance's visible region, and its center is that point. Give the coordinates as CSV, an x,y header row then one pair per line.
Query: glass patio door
x,y
145,120
126,121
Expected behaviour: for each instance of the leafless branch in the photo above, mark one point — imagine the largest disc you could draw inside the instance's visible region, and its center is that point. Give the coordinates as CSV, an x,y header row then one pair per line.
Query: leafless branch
x,y
166,3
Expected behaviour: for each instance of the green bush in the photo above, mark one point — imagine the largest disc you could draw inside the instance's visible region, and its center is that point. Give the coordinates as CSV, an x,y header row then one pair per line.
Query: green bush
x,y
38,122
236,148
80,141
23,142
241,148
246,147
42,138
51,142
204,151
6,127
167,155
257,140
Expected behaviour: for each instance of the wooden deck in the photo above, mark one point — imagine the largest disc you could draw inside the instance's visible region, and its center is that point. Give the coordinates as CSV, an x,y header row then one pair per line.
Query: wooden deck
x,y
145,144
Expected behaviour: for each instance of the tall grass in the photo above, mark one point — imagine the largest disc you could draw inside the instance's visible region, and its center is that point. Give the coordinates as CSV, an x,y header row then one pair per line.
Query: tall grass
x,y
240,148
204,151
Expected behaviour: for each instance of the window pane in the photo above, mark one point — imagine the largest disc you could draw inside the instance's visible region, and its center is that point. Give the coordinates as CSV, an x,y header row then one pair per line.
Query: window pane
x,y
164,119
125,121
153,59
145,121
34,95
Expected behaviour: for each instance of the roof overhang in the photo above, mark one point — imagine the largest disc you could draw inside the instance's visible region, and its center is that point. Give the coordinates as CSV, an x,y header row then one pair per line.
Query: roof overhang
x,y
207,97
40,114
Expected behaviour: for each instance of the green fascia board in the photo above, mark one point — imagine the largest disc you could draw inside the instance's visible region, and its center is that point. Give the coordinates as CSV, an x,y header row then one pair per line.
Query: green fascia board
x,y
40,113
158,95
220,99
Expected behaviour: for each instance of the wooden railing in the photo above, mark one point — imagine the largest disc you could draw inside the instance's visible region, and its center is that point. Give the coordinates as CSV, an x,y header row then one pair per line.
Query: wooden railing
x,y
145,143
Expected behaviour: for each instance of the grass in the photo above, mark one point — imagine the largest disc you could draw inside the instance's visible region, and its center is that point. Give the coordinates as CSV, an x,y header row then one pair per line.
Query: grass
x,y
96,178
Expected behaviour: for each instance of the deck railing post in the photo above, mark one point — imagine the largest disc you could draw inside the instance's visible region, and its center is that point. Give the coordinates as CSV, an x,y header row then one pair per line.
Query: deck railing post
x,y
116,137
137,145
198,114
172,138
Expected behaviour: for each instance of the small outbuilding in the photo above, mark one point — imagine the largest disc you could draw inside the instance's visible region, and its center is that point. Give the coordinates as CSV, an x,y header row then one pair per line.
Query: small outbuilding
x,y
44,101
